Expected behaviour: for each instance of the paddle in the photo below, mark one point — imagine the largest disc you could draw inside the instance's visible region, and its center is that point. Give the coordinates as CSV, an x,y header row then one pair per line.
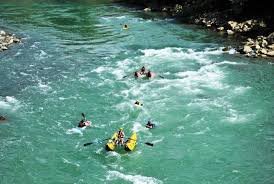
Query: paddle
x,y
161,76
146,143
83,115
94,142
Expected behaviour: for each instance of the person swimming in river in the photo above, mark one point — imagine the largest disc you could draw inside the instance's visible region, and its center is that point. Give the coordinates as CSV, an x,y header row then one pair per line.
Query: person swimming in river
x,y
150,125
125,26
83,122
138,103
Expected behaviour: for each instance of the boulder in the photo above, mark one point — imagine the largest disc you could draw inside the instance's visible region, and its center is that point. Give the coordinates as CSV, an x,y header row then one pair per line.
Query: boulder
x,y
263,51
271,46
147,9
247,49
16,40
230,32
2,33
232,24
4,48
220,28
264,43
270,53
257,46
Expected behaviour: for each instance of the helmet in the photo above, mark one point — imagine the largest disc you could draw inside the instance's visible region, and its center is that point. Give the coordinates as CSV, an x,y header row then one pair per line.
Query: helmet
x,y
121,128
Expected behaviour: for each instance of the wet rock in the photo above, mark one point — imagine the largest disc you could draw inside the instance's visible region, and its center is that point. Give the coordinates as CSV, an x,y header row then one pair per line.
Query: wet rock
x,y
271,46
270,53
245,26
2,33
247,49
263,51
6,40
230,32
232,24
220,28
147,9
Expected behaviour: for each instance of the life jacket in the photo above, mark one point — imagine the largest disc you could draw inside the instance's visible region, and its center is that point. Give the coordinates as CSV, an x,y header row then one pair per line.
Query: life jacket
x,y
121,134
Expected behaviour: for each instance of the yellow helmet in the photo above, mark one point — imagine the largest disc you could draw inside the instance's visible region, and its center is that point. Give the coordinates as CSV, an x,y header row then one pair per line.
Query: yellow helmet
x,y
121,128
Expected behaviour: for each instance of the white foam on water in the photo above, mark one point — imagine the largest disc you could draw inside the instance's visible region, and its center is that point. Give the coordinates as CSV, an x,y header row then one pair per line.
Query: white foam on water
x,y
135,179
209,75
138,127
158,140
230,63
174,53
35,45
43,87
118,73
234,117
99,151
241,89
10,103
75,131
207,129
41,55
101,69
232,51
84,79
71,163
113,154
18,53
24,74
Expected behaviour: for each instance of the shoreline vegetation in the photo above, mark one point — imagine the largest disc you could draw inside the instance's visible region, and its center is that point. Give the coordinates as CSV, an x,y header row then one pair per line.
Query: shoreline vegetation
x,y
6,40
249,20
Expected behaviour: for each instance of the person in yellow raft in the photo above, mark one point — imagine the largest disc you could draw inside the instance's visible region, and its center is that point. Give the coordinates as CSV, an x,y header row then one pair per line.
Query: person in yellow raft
x,y
120,137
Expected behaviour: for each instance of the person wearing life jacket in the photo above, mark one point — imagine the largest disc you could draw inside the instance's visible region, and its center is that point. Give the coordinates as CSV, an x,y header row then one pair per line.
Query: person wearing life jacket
x,y
137,74
150,125
143,71
125,26
150,74
138,103
121,136
81,124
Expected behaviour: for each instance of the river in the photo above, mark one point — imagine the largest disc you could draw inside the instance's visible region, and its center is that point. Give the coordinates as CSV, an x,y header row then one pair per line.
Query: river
x,y
213,110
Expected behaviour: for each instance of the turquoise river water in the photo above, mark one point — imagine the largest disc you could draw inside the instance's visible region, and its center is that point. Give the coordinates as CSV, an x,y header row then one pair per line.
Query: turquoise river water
x,y
213,111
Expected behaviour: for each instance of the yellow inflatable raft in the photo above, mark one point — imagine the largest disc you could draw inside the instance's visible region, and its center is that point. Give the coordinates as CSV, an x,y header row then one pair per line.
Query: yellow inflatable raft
x,y
111,145
131,142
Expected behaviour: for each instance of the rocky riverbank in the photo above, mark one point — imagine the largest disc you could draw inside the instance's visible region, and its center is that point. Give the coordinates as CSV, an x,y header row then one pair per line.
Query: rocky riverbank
x,y
259,45
253,23
6,40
